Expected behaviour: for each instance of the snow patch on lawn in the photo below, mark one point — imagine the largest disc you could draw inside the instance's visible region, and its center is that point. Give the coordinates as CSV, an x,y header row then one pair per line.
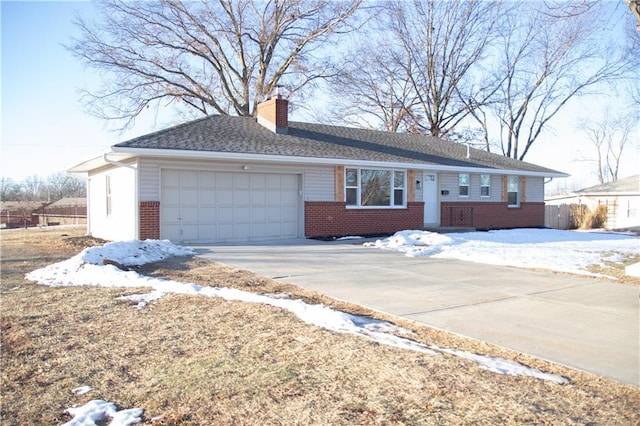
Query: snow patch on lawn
x,y
86,269
552,249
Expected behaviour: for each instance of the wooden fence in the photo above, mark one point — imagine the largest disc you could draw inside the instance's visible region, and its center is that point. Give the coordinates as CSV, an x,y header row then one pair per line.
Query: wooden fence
x,y
564,216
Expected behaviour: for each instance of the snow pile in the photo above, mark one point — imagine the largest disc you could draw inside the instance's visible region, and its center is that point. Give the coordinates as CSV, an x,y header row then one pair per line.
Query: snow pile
x,y
556,250
98,411
84,269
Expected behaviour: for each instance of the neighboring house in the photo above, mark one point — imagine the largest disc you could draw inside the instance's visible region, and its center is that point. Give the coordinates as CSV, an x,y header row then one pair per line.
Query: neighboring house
x,y
224,178
67,211
622,198
19,214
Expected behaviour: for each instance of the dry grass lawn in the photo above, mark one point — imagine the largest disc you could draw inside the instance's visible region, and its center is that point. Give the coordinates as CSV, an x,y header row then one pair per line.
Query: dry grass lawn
x,y
201,361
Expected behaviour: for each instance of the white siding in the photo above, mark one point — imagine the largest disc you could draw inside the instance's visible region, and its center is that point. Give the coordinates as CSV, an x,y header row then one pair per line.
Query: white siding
x,y
449,182
419,196
122,222
149,175
318,182
534,189
319,185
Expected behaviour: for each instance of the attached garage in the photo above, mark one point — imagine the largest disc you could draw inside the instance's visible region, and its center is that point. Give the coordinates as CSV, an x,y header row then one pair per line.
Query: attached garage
x,y
211,206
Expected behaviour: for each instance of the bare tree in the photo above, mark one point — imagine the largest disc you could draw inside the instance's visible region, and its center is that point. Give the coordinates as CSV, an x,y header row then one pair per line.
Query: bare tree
x,y
446,42
425,62
211,56
609,137
372,89
33,188
548,58
9,190
61,185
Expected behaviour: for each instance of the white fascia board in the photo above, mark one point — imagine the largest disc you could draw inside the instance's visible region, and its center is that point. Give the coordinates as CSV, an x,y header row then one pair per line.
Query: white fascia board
x,y
233,156
98,160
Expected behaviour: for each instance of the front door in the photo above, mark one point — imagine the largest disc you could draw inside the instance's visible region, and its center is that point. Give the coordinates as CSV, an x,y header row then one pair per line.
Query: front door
x,y
430,197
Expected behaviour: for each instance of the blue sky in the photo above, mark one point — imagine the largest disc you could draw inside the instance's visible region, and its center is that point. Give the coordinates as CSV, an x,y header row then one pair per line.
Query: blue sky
x,y
45,130
44,127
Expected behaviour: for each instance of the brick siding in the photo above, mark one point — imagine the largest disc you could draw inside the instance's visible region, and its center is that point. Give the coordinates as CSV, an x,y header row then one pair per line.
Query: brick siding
x,y
149,220
333,219
491,215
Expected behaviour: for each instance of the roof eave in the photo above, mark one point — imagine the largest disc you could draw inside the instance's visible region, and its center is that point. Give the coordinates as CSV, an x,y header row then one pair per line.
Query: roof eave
x,y
98,160
188,154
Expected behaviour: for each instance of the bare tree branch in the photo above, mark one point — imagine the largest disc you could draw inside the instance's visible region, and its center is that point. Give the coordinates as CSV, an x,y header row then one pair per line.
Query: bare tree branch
x,y
548,60
211,56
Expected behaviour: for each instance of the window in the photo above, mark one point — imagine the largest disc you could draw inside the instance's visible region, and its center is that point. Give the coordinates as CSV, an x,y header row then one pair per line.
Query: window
x,y
463,183
374,188
485,185
108,194
513,189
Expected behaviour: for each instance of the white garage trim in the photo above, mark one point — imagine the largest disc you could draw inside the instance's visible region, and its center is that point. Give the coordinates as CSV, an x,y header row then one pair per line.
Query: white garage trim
x,y
218,206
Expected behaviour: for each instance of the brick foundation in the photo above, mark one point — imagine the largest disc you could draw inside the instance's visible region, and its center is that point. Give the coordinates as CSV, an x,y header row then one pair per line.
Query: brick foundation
x,y
492,215
333,219
149,220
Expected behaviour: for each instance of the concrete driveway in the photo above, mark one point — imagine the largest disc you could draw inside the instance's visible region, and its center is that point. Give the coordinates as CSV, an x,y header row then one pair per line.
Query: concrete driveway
x,y
579,322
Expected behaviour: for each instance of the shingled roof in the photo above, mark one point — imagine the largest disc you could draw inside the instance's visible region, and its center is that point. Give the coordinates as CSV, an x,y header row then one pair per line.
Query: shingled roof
x,y
243,135
628,184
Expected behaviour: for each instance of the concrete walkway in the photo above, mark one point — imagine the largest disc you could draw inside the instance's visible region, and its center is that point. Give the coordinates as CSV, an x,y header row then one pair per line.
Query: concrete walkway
x,y
579,322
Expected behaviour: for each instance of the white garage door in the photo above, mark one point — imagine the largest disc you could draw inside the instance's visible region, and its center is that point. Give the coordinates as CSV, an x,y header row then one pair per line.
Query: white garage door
x,y
223,206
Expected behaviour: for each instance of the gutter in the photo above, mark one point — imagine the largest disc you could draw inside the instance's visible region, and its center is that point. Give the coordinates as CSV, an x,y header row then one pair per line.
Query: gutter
x,y
117,163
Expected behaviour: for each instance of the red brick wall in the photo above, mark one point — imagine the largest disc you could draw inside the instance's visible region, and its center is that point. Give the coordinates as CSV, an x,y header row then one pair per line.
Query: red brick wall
x,y
149,220
276,111
491,215
332,219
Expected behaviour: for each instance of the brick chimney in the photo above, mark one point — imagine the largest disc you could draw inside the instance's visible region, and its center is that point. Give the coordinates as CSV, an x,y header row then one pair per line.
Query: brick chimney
x,y
274,114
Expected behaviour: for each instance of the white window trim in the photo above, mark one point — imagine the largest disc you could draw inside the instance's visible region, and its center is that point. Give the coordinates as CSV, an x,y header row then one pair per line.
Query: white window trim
x,y
391,195
485,186
468,185
518,203
108,197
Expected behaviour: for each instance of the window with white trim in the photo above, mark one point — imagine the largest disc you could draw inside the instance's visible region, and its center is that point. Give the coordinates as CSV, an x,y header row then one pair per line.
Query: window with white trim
x,y
463,183
375,188
108,194
513,191
485,185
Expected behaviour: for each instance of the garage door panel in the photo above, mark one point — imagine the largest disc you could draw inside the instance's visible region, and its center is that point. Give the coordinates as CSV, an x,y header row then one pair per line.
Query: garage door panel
x,y
258,182
228,206
225,215
189,196
224,197
242,216
207,233
258,215
190,232
241,181
189,214
208,215
171,232
207,180
171,196
242,197
171,214
189,179
242,232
